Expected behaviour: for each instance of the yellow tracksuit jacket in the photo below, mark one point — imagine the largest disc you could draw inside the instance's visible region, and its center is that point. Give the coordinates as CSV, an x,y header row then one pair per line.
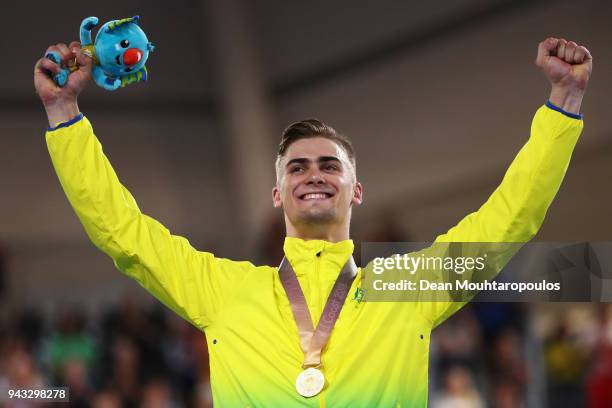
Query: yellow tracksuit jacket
x,y
377,354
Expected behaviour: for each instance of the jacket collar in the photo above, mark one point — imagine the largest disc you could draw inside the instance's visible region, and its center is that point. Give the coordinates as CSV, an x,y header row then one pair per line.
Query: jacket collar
x,y
301,254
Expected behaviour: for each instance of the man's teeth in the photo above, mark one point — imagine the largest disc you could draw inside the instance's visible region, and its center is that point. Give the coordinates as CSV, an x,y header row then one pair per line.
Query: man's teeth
x,y
315,196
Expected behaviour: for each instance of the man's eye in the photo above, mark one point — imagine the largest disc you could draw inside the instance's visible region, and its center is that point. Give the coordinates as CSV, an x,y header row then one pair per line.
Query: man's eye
x,y
331,167
297,169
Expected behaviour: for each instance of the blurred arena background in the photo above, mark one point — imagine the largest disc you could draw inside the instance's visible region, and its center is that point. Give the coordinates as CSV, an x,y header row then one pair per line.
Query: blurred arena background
x,y
437,97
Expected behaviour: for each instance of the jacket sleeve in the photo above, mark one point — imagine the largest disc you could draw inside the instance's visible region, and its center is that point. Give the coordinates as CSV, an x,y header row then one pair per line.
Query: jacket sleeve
x,y
516,209
193,284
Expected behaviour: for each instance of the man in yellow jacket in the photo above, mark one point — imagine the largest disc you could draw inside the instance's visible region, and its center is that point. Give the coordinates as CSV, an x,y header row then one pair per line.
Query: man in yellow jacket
x,y
373,354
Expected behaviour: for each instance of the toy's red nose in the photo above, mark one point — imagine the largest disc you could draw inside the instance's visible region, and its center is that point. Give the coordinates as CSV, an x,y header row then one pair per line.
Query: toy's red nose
x,y
132,56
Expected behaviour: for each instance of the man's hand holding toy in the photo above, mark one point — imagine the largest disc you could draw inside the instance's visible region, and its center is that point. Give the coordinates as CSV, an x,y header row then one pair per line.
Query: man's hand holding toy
x,y
119,53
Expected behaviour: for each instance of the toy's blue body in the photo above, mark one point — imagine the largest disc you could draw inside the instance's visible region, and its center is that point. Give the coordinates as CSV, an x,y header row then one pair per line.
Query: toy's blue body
x,y
120,52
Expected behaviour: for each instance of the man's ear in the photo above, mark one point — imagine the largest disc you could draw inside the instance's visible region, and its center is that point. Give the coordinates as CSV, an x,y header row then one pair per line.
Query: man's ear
x,y
357,194
276,198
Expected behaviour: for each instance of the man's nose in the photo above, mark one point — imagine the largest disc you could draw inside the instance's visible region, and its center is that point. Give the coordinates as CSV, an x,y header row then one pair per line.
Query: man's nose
x,y
315,177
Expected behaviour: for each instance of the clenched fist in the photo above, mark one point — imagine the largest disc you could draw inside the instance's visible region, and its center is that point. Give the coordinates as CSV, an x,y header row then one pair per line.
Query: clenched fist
x,y
568,67
61,102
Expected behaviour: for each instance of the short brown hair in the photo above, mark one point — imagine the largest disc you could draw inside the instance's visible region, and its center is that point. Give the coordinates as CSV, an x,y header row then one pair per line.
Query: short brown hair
x,y
310,128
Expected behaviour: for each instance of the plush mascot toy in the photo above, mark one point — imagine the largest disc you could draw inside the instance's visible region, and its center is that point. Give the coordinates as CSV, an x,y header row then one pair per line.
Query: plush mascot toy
x,y
119,53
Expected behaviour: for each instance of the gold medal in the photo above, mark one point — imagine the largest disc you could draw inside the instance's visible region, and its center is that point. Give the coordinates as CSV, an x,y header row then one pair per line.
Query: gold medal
x,y
310,382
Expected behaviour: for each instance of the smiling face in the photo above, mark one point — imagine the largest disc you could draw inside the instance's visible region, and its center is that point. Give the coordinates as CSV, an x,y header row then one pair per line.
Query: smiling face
x,y
316,185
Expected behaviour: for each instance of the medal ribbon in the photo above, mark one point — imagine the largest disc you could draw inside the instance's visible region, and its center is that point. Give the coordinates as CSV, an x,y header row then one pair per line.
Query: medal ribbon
x,y
312,340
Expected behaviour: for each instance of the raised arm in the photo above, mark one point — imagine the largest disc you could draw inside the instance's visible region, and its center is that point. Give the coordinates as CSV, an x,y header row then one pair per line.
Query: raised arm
x,y
515,210
194,284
